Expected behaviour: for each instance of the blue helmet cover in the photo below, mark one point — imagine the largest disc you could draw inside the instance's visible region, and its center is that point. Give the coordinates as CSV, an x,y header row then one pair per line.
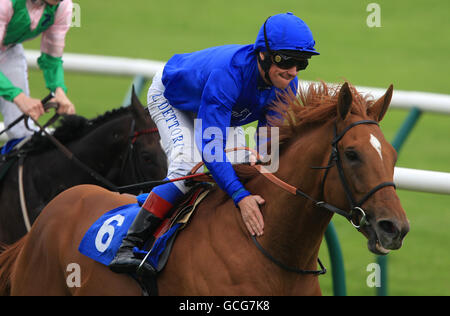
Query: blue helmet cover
x,y
285,31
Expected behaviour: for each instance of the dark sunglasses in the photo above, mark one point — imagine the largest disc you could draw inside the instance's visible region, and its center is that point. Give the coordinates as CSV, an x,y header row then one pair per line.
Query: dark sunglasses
x,y
286,62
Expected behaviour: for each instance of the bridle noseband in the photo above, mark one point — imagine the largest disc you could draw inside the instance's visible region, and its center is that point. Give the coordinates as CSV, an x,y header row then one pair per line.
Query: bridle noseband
x,y
130,155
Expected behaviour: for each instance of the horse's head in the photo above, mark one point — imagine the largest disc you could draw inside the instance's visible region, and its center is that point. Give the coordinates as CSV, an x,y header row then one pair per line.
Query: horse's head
x,y
365,168
144,159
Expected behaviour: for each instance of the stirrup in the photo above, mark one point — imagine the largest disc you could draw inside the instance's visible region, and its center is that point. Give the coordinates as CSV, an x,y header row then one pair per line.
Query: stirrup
x,y
145,269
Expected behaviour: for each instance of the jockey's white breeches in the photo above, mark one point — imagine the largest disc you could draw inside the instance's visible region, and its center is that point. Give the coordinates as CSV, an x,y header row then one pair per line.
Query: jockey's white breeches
x,y
14,66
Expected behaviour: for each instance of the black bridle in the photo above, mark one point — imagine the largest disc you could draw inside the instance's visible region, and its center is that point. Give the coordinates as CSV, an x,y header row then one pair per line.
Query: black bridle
x,y
355,206
335,159
130,157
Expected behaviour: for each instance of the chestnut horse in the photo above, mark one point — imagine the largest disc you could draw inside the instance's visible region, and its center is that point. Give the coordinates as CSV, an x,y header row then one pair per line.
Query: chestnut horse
x,y
214,254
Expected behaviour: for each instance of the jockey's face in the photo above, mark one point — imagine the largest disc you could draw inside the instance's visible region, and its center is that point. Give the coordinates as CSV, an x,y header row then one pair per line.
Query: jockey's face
x,y
280,77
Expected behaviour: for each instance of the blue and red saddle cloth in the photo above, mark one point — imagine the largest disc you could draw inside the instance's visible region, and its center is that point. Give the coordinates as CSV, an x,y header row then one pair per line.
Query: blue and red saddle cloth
x,y
104,237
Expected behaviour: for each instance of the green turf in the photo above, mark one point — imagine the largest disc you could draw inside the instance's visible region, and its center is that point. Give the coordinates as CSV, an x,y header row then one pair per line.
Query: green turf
x,y
410,50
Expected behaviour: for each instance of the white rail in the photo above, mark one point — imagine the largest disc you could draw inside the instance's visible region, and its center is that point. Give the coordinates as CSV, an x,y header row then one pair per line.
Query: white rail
x,y
430,102
422,180
407,179
119,66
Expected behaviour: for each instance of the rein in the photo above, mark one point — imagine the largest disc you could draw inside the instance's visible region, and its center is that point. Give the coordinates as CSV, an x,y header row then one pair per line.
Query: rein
x,y
322,270
46,105
74,159
108,184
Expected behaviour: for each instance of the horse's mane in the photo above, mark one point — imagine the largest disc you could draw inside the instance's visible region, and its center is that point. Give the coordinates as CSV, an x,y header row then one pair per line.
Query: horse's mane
x,y
72,127
314,105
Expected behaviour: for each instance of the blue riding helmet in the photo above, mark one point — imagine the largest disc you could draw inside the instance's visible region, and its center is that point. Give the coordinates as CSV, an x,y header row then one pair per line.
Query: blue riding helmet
x,y
285,32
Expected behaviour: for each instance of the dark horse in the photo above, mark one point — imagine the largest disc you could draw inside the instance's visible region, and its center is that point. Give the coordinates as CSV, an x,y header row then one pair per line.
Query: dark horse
x,y
105,144
214,254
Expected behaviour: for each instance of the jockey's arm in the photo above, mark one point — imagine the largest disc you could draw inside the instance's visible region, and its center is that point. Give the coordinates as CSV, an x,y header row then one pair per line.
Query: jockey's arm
x,y
219,95
50,61
213,149
215,116
212,141
8,90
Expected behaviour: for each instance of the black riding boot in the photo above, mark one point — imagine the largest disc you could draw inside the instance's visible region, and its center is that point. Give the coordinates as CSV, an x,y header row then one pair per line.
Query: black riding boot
x,y
143,227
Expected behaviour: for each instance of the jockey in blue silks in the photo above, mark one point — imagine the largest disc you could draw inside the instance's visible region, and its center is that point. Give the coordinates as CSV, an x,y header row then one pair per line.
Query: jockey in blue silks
x,y
218,88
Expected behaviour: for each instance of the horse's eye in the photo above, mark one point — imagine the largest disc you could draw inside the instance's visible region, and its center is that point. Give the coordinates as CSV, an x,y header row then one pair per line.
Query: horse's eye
x,y
352,155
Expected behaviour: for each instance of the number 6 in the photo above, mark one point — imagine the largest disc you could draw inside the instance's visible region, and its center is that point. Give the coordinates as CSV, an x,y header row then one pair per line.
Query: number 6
x,y
109,229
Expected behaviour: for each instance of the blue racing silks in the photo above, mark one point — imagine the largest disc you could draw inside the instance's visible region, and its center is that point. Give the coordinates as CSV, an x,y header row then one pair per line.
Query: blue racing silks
x,y
223,86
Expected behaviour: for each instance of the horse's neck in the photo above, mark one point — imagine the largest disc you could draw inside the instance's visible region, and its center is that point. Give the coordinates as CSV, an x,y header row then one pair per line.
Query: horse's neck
x,y
294,228
100,148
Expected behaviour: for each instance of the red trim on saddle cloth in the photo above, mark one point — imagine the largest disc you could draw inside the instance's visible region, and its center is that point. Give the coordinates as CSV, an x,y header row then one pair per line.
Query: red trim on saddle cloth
x,y
157,205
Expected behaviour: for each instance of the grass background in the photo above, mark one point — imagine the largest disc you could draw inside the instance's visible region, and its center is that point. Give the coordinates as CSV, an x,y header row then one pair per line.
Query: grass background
x,y
410,50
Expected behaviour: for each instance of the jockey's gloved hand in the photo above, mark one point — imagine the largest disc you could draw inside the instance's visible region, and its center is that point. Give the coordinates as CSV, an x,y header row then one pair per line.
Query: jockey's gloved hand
x,y
251,214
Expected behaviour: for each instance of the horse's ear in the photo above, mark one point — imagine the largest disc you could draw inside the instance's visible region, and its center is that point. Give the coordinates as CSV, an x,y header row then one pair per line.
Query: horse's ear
x,y
134,98
137,109
344,101
136,105
379,108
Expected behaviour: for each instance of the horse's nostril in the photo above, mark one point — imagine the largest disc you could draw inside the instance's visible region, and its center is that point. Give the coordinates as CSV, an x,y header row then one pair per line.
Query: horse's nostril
x,y
389,228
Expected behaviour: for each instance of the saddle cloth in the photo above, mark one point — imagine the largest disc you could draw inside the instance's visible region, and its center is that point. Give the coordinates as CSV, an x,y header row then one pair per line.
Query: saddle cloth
x,y
104,237
9,154
10,145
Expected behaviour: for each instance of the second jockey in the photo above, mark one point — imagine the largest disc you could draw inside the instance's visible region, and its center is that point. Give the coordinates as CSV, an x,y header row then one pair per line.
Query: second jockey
x,y
22,20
